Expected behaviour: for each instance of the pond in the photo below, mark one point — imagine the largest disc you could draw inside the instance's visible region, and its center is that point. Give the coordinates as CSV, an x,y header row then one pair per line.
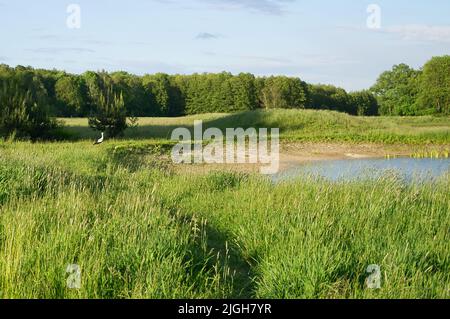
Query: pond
x,y
408,169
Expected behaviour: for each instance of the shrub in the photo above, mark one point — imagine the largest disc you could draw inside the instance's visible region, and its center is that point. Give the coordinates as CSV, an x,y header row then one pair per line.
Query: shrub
x,y
110,113
24,109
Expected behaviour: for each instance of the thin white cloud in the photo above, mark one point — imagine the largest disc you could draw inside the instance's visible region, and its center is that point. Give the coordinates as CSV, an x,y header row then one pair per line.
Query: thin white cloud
x,y
409,32
87,41
146,66
276,7
52,50
271,7
207,36
421,32
62,38
297,60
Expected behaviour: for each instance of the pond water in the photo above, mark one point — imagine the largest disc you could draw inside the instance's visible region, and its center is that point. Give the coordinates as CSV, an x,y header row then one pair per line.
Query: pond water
x,y
409,169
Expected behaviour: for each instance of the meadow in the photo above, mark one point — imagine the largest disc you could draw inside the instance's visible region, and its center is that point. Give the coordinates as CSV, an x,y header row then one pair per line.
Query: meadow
x,y
295,125
138,228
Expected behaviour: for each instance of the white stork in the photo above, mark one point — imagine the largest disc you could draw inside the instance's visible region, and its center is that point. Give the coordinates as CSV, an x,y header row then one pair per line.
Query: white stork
x,y
100,140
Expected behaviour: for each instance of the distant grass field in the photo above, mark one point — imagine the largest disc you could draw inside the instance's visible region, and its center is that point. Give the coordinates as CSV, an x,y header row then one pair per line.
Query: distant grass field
x,y
138,229
295,125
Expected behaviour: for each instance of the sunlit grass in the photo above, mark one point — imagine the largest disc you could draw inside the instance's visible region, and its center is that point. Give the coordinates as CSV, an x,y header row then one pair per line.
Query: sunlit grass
x,y
296,125
139,230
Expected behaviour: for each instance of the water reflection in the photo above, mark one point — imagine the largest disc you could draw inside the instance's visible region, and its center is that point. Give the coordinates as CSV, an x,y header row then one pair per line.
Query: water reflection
x,y
408,169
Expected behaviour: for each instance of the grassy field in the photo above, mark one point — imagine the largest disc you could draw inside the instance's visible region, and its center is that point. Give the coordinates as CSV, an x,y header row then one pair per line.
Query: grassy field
x,y
296,125
138,228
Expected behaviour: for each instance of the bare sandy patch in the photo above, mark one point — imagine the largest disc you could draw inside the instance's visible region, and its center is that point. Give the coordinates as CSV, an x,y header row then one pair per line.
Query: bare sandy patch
x,y
293,154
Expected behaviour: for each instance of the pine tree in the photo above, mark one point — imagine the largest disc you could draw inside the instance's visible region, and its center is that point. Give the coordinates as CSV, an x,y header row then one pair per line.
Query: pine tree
x,y
110,113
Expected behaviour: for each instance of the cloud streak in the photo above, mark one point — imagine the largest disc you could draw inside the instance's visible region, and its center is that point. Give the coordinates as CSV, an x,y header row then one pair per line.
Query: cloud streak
x,y
52,50
421,32
270,7
273,7
207,36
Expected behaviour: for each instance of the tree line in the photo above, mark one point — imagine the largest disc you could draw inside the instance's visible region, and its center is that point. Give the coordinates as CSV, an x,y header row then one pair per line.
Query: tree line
x,y
405,91
31,98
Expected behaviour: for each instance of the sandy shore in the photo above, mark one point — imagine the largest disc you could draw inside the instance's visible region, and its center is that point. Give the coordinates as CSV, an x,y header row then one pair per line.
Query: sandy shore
x,y
292,154
295,153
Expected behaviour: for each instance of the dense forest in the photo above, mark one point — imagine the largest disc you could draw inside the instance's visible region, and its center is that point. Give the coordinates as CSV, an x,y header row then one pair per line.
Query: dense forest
x,y
31,98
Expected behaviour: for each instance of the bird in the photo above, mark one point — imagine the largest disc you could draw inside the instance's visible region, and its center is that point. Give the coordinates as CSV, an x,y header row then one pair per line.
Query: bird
x,y
100,140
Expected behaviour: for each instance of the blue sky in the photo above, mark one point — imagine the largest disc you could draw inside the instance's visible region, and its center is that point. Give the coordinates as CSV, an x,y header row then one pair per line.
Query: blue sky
x,y
320,41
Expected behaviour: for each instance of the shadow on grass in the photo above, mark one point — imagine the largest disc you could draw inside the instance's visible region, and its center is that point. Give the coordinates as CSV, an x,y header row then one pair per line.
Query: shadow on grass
x,y
214,252
243,285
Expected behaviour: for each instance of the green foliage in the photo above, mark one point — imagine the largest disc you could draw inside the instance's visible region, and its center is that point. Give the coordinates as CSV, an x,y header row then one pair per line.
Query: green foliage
x,y
365,102
217,93
434,94
401,91
283,92
24,106
329,97
70,93
137,100
109,107
245,92
159,86
397,91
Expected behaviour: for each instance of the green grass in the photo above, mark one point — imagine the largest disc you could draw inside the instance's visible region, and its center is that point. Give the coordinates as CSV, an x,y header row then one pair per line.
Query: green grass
x,y
296,125
139,230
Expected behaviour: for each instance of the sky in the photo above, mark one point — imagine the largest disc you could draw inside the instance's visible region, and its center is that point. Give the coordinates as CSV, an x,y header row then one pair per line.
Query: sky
x,y
320,41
